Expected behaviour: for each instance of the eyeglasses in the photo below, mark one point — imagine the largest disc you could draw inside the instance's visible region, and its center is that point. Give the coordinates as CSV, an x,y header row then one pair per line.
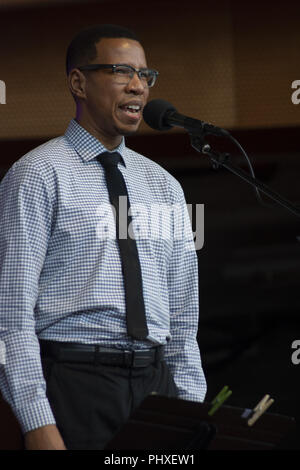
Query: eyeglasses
x,y
124,73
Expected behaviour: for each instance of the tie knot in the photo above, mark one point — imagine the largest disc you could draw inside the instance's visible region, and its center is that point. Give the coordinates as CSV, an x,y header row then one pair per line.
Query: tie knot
x,y
109,159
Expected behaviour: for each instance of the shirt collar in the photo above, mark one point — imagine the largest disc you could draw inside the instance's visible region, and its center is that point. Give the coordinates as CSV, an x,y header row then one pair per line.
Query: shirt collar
x,y
88,146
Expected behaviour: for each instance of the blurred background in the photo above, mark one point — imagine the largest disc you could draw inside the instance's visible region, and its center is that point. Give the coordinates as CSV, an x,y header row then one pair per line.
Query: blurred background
x,y
230,63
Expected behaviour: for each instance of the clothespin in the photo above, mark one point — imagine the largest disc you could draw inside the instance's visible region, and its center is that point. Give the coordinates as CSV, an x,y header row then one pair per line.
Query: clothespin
x,y
260,408
219,400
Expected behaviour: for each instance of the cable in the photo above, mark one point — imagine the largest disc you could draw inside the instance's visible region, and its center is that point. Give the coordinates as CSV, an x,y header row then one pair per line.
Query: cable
x,y
257,193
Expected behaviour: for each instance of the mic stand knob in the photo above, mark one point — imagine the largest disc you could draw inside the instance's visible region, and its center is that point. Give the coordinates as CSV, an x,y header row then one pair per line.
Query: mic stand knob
x,y
199,144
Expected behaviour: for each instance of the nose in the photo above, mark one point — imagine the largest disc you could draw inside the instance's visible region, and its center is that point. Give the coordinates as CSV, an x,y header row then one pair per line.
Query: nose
x,y
136,86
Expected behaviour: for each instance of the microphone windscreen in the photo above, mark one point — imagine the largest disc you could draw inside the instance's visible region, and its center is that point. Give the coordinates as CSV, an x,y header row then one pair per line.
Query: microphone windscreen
x,y
155,112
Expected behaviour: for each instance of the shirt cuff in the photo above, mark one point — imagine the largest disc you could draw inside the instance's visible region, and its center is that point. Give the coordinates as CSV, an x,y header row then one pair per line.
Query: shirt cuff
x,y
35,415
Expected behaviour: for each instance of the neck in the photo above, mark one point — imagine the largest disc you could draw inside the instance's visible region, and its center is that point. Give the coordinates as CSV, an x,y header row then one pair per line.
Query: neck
x,y
109,142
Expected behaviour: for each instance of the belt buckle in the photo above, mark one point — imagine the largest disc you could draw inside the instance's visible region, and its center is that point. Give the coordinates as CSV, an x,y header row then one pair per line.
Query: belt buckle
x,y
142,358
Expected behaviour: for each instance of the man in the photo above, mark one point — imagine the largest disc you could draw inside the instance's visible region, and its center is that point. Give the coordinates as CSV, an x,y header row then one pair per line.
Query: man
x,y
63,303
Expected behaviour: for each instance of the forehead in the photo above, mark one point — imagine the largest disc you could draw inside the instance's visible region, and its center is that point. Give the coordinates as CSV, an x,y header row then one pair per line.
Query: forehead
x,y
120,50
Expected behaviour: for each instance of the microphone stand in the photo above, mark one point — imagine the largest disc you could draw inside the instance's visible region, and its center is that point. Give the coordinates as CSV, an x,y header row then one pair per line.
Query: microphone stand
x,y
220,159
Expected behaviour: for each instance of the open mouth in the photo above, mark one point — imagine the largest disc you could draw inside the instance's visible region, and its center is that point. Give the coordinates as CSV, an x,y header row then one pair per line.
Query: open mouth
x,y
131,110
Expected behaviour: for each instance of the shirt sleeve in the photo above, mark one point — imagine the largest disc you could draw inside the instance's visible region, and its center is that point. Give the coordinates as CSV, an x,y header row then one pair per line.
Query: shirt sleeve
x,y
25,219
182,351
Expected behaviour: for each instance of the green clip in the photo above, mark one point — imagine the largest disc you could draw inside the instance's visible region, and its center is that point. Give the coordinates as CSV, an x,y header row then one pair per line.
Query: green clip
x,y
219,400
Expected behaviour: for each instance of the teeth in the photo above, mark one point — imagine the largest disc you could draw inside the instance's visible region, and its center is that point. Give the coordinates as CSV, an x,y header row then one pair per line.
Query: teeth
x,y
133,106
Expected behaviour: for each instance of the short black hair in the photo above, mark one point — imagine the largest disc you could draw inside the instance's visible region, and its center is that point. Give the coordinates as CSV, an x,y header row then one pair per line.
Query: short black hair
x,y
82,48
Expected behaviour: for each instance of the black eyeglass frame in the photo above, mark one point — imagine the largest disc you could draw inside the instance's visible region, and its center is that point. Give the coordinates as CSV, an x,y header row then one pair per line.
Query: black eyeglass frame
x,y
113,67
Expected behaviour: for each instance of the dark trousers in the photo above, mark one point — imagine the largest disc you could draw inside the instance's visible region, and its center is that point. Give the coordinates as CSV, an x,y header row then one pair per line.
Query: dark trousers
x,y
91,402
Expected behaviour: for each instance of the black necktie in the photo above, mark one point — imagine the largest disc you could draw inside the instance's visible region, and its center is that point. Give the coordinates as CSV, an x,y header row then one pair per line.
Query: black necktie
x,y
135,308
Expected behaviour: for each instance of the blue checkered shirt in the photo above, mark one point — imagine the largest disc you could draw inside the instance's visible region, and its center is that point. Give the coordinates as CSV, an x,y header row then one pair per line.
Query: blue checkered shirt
x,y
61,281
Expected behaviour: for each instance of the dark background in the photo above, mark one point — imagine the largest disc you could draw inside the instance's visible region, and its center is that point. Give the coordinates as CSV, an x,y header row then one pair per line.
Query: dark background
x,y
249,265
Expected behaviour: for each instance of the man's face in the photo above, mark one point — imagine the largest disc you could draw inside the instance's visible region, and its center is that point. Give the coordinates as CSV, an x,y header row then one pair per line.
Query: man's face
x,y
105,103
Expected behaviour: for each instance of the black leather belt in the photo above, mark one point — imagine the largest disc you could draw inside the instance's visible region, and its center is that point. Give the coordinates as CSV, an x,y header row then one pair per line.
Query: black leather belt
x,y
87,353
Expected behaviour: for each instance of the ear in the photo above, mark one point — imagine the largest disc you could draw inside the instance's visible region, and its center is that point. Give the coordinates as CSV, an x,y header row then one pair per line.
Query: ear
x,y
77,83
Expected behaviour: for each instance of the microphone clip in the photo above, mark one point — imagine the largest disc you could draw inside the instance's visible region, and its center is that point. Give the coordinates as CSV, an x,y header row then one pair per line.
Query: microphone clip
x,y
199,144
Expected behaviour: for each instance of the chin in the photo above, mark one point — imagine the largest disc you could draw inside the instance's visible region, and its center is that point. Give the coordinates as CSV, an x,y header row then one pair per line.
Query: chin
x,y
128,130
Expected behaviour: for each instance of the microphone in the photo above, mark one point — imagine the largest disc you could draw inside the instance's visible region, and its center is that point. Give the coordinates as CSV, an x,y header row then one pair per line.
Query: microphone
x,y
161,115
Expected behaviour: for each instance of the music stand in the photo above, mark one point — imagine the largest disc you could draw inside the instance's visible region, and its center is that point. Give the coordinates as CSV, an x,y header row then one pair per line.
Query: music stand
x,y
170,423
